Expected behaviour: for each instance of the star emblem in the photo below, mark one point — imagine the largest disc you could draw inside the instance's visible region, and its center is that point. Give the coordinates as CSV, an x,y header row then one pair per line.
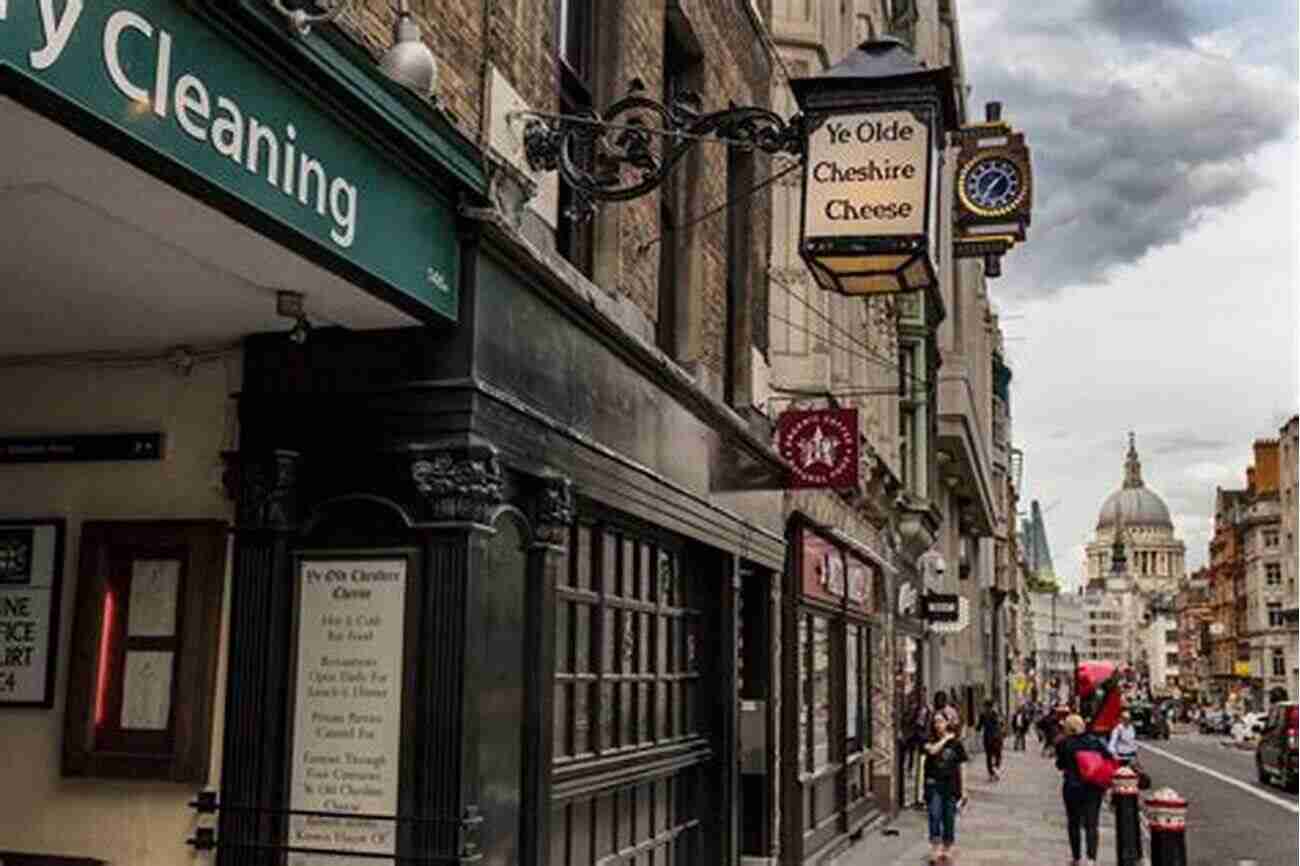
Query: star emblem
x,y
818,448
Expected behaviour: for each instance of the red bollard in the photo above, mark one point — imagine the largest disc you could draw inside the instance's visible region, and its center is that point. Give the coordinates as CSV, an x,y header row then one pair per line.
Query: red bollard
x,y
1128,829
1167,817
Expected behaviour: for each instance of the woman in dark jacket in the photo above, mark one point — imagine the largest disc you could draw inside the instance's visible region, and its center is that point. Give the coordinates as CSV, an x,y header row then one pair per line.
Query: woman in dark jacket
x,y
944,755
1082,800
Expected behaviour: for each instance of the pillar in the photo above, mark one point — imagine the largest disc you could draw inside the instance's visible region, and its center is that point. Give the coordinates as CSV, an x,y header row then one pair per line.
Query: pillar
x,y
264,486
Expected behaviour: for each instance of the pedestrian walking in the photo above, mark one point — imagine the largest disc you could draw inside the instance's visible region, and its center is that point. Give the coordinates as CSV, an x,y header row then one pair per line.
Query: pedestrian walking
x,y
1082,799
1020,727
918,732
1047,730
944,755
1123,740
990,728
948,711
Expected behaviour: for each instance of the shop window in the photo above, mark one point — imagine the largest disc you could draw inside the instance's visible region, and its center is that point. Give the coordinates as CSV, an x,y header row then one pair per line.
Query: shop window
x,y
628,663
631,654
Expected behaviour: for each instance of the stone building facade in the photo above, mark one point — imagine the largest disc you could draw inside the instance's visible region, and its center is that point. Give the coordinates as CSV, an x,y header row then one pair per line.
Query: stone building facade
x,y
556,431
1261,620
1252,628
1192,610
1288,457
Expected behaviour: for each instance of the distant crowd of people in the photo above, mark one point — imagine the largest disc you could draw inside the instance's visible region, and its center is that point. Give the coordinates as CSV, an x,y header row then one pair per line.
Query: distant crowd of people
x,y
933,749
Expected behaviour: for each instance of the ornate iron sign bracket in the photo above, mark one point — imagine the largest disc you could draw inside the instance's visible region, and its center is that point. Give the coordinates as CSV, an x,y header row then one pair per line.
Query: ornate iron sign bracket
x,y
630,148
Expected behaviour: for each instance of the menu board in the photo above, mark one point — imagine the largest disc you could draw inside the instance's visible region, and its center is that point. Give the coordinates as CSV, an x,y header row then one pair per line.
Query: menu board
x,y
347,710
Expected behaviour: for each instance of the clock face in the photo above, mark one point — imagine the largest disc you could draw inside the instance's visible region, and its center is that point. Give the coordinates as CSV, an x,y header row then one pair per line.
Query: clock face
x,y
992,185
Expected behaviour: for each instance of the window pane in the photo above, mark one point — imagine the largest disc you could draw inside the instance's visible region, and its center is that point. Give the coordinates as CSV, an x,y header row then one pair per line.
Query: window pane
x,y
852,690
582,638
582,558
821,686
563,658
562,720
581,719
805,694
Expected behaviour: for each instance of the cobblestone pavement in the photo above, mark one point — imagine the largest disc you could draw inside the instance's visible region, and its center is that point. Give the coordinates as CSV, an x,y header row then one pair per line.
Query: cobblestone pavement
x,y
1018,821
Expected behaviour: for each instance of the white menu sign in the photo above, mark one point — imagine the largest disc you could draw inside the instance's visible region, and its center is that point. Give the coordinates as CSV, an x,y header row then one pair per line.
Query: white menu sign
x,y
867,176
347,712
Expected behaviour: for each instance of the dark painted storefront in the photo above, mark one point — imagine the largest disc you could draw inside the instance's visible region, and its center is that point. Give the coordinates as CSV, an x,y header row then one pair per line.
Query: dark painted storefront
x,y
572,612
835,627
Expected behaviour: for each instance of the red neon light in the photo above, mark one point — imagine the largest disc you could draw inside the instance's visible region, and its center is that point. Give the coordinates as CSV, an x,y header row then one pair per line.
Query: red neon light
x,y
101,683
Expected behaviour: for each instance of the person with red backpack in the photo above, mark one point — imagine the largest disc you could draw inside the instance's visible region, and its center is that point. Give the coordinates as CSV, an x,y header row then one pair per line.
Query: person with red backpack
x,y
1085,763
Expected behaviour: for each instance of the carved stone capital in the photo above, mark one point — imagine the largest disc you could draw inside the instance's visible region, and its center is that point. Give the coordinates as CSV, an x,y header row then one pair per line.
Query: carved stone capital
x,y
461,483
264,488
555,510
918,526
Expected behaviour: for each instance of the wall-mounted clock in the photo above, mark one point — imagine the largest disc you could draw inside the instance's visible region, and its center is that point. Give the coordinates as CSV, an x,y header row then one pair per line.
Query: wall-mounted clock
x,y
994,190
992,185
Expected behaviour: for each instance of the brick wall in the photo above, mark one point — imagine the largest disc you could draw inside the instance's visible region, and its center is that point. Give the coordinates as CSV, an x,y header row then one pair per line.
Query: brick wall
x,y
518,37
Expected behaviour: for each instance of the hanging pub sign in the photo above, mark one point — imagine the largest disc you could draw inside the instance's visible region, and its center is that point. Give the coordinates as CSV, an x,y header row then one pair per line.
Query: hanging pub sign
x,y
874,127
820,446
994,190
940,607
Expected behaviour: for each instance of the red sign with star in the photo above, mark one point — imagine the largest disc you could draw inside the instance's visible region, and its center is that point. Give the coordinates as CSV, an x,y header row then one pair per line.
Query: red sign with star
x,y
820,446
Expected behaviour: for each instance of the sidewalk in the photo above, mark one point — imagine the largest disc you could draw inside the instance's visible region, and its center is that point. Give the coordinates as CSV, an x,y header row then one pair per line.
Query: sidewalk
x,y
1018,821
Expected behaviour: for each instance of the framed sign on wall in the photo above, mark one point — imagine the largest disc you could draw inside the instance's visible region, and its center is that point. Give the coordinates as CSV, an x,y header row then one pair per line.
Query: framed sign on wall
x,y
351,662
31,576
143,656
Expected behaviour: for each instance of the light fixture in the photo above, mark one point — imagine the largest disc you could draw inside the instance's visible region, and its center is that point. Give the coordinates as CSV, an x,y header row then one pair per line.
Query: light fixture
x,y
875,131
302,21
409,61
289,305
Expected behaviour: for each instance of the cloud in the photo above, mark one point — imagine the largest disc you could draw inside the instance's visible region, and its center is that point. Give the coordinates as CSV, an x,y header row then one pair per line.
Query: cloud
x,y
1181,443
1137,135
1157,20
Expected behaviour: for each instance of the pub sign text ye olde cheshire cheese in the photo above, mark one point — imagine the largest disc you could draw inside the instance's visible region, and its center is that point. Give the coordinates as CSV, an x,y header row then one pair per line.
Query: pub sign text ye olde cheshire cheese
x,y
867,175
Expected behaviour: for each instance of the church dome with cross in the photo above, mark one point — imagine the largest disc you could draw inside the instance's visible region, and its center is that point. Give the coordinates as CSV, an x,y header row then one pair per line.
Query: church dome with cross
x,y
1138,518
1134,503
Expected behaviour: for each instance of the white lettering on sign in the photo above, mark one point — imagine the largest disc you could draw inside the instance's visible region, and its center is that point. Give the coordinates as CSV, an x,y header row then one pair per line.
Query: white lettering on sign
x,y
245,140
867,176
261,148
56,29
347,713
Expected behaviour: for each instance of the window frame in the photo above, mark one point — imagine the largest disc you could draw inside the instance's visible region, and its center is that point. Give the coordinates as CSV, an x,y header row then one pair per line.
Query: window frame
x,y
575,93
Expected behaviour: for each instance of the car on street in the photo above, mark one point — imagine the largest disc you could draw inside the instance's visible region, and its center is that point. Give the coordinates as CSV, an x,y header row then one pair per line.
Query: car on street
x,y
1148,721
1215,722
1275,753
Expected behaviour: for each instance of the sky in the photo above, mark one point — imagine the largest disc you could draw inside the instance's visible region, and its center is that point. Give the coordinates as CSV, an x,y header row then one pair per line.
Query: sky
x,y
1157,289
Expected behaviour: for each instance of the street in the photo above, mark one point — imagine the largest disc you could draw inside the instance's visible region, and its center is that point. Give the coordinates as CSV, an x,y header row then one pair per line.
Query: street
x,y
1226,823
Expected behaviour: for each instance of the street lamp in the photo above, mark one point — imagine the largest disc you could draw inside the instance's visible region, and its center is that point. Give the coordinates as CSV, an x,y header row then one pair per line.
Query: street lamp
x,y
874,132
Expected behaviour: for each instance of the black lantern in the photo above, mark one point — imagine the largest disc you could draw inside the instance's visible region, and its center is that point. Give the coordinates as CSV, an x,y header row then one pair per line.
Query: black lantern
x,y
875,126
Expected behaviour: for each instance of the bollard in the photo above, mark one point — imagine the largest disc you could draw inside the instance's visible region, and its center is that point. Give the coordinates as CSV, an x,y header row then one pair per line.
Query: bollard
x,y
1128,830
1167,817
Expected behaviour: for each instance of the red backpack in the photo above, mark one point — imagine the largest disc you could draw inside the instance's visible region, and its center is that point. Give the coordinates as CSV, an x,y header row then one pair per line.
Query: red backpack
x,y
1095,768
